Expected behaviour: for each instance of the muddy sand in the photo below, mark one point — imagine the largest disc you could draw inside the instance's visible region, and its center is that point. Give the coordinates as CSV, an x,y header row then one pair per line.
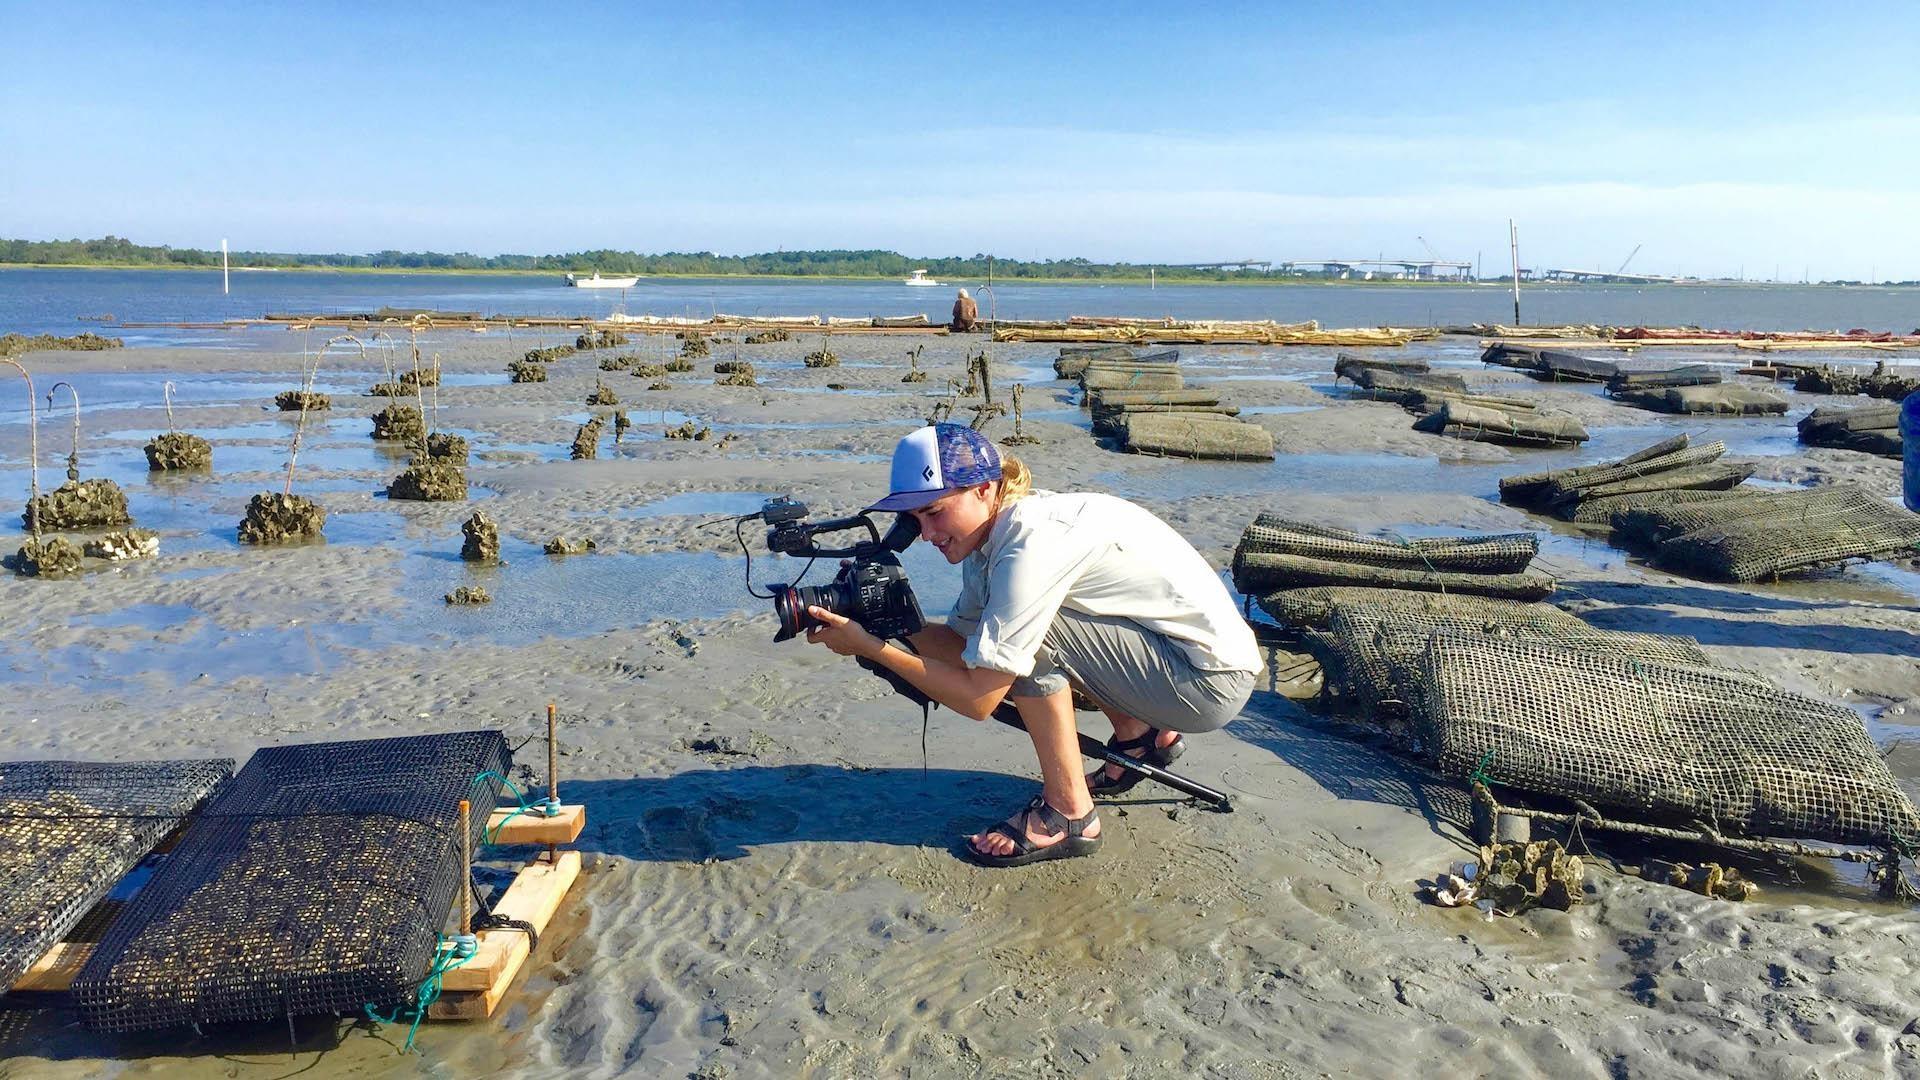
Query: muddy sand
x,y
787,901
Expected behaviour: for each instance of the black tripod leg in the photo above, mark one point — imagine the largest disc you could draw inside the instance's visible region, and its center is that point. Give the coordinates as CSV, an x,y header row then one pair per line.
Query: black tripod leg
x,y
1009,714
1097,750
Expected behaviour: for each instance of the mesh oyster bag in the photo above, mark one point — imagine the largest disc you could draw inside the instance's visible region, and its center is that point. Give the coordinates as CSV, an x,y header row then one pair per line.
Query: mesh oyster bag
x,y
1795,535
1313,606
1657,741
318,881
1506,553
1374,667
70,830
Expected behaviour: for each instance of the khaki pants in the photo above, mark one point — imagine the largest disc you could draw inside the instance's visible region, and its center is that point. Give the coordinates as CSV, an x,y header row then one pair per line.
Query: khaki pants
x,y
1131,669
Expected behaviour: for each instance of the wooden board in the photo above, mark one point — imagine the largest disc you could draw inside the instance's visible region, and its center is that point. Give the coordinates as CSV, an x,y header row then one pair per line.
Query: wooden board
x,y
534,896
1665,343
532,828
474,989
54,972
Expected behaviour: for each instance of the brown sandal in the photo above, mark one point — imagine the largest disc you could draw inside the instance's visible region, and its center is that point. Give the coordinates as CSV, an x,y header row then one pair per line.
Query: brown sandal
x,y
1074,843
1099,783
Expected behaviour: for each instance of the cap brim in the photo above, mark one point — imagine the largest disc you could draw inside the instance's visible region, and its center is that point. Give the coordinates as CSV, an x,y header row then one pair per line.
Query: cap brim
x,y
902,501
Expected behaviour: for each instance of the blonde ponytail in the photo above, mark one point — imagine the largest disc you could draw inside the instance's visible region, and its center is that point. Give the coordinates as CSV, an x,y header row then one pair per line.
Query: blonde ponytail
x,y
1015,482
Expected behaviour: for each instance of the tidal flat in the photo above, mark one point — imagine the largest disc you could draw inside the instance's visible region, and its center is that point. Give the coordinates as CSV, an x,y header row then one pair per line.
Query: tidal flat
x,y
793,905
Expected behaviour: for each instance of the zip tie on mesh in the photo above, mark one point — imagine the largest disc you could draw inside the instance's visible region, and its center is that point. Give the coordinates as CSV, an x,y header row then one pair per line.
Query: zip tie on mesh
x,y
448,953
1479,773
1653,703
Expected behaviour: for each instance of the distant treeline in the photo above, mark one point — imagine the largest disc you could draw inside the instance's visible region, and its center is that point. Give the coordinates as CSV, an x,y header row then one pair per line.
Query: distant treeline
x,y
114,251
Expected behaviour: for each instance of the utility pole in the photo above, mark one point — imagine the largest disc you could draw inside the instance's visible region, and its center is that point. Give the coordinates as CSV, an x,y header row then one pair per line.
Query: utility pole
x,y
226,285
1513,240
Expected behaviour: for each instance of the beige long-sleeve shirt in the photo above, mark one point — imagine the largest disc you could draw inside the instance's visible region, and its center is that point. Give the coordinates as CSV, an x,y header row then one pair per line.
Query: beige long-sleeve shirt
x,y
1103,556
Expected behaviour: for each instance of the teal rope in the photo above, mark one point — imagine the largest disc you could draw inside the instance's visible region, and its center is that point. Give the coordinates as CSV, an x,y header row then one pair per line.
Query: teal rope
x,y
444,956
493,836
445,959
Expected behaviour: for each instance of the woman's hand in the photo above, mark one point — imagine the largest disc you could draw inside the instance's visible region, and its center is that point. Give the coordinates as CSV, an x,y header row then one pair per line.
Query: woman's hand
x,y
843,635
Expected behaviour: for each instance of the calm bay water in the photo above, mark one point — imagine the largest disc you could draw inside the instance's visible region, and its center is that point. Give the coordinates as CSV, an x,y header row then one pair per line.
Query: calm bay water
x,y
55,301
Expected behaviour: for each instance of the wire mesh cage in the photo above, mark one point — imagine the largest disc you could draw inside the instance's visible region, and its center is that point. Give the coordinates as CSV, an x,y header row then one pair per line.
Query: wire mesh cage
x,y
317,882
1505,553
1313,606
70,830
1657,741
1377,652
1794,534
1609,510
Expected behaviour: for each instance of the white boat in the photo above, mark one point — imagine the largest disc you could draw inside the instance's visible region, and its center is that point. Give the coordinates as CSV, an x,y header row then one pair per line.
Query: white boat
x,y
919,277
598,282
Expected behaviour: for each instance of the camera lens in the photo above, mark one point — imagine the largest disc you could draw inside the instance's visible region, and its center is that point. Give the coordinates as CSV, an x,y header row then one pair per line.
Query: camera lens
x,y
791,605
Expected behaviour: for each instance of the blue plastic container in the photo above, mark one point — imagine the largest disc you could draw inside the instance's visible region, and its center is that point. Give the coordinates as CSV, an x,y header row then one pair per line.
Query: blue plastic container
x,y
1910,448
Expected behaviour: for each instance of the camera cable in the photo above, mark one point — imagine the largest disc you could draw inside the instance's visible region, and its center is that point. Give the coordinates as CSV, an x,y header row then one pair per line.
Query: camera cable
x,y
739,536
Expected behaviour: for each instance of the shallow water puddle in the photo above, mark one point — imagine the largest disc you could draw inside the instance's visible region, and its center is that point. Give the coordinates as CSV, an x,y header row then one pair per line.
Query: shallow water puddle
x,y
1366,473
696,504
645,421
280,429
535,596
144,390
849,392
1078,417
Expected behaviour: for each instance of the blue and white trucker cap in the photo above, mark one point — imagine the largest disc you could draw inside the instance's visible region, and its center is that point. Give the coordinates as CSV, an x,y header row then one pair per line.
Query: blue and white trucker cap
x,y
936,460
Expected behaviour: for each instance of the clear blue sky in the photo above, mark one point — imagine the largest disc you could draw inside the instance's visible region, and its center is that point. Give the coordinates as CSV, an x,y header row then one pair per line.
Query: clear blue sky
x,y
1722,136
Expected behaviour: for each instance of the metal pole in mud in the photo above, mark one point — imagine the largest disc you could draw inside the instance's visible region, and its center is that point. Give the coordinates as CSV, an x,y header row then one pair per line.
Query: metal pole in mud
x,y
553,759
553,778
1513,239
73,455
1098,751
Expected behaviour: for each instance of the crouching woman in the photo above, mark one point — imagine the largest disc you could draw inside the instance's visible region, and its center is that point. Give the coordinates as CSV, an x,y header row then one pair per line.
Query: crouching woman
x,y
1059,591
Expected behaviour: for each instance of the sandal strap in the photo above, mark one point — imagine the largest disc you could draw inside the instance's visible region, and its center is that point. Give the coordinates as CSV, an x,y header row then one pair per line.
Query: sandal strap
x,y
1057,822
1021,845
1144,742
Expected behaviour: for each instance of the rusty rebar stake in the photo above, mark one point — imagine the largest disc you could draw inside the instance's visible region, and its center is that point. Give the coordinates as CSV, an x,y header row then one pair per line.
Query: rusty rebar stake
x,y
553,779
466,868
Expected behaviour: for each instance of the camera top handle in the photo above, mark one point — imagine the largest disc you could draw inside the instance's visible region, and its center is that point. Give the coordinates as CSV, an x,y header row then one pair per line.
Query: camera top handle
x,y
864,548
791,536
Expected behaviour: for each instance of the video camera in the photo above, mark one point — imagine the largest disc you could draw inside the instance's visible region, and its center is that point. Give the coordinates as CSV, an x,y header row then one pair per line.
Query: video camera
x,y
871,589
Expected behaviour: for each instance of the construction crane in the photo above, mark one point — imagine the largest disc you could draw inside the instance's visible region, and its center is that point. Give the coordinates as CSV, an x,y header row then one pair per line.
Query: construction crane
x,y
1429,247
1629,258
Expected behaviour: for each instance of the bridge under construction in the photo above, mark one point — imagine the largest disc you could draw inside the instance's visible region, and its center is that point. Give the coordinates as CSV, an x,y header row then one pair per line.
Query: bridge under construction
x,y
1387,269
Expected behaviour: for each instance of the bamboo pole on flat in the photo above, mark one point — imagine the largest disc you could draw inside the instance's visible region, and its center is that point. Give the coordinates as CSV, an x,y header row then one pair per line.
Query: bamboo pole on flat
x,y
33,448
